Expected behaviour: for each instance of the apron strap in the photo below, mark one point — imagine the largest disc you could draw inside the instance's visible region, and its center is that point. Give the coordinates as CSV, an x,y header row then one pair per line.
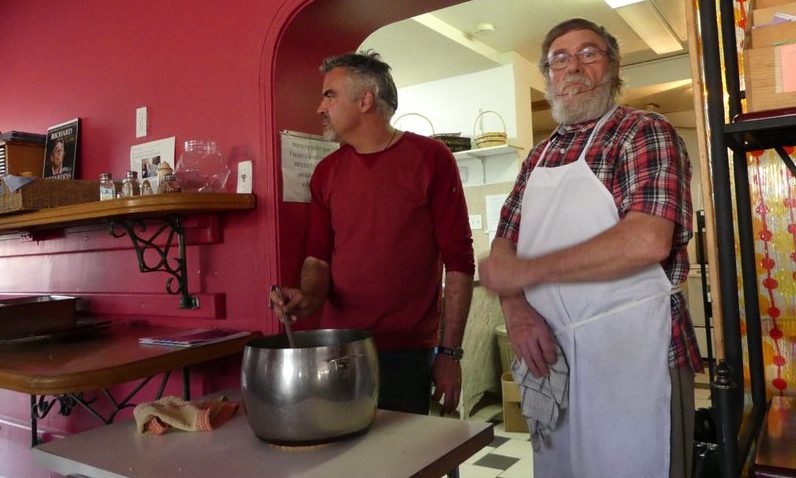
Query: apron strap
x,y
676,289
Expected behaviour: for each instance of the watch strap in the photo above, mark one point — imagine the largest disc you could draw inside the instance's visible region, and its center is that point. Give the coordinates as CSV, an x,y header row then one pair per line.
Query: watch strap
x,y
456,353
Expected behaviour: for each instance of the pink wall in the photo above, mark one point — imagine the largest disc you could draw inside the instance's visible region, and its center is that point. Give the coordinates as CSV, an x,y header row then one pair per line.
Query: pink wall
x,y
237,72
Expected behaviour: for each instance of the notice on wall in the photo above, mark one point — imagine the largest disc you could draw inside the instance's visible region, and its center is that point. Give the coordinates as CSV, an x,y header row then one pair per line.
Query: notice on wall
x,y
146,158
494,203
301,152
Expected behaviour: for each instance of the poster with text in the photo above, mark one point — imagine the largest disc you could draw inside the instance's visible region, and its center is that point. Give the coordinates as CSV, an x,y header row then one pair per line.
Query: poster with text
x,y
61,150
301,152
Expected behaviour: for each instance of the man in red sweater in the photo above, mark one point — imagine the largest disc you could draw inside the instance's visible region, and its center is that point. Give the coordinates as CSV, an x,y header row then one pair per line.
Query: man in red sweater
x,y
387,213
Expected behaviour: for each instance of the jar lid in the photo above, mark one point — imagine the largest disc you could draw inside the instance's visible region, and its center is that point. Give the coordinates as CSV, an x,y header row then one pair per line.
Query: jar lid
x,y
164,166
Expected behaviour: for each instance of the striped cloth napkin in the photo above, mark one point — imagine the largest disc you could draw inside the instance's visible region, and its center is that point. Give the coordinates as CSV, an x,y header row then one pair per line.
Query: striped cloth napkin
x,y
169,412
543,398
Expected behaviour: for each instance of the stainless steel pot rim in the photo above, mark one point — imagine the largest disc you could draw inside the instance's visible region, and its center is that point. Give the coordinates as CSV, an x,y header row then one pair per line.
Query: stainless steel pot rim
x,y
307,339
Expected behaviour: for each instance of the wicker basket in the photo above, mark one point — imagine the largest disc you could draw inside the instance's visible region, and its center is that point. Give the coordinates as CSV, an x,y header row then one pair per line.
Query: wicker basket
x,y
44,193
454,141
490,138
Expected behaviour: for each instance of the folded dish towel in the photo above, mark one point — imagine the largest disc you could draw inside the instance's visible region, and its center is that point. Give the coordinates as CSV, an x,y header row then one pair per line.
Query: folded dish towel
x,y
15,182
160,416
543,398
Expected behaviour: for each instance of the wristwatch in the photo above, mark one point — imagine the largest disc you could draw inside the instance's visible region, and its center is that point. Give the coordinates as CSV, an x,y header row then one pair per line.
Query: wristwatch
x,y
455,353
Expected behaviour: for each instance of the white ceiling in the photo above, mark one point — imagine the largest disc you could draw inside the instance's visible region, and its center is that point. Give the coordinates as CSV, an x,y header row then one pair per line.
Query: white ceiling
x,y
443,44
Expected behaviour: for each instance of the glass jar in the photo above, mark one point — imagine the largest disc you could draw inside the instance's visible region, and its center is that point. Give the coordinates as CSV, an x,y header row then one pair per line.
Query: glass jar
x,y
130,187
107,188
201,167
168,185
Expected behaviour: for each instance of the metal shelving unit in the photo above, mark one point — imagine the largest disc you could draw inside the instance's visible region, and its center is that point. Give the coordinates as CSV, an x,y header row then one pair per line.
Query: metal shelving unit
x,y
737,433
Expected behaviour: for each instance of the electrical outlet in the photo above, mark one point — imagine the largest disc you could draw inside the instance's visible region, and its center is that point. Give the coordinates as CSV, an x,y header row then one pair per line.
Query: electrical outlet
x,y
245,177
475,222
140,122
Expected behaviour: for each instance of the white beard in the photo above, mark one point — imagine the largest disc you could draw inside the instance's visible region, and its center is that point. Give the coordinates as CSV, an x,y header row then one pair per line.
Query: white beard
x,y
572,108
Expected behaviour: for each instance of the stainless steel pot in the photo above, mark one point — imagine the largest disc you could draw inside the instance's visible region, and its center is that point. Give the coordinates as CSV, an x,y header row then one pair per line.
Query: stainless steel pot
x,y
324,388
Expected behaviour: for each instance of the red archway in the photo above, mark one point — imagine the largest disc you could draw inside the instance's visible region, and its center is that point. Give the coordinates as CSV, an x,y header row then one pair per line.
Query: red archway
x,y
302,34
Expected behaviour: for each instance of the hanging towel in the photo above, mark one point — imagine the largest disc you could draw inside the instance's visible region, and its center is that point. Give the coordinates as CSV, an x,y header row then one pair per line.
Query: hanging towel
x,y
160,416
543,398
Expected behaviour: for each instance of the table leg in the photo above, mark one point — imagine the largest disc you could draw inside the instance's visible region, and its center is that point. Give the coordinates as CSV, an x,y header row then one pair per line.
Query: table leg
x,y
34,432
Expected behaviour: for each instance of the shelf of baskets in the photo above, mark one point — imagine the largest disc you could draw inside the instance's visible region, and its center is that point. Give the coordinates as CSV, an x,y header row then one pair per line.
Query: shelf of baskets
x,y
126,216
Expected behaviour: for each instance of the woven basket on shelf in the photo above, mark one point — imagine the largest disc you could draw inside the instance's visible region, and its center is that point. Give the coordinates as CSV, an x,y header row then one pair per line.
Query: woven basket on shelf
x,y
454,141
44,193
489,138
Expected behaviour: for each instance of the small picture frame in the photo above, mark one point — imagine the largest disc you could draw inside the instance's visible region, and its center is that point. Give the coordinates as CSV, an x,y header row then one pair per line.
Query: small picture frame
x,y
61,150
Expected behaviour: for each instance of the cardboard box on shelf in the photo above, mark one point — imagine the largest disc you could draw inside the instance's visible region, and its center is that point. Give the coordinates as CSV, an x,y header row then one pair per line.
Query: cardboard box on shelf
x,y
761,16
757,4
770,77
513,421
771,35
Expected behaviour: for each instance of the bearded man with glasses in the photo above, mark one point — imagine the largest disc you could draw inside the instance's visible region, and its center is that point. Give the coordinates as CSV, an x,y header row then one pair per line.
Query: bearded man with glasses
x,y
588,260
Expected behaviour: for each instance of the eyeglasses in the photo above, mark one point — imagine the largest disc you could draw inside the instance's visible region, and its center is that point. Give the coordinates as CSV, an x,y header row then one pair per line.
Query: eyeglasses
x,y
586,56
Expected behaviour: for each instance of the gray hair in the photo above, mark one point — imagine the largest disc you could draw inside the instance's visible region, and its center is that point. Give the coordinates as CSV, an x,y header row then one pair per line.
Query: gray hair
x,y
369,73
614,58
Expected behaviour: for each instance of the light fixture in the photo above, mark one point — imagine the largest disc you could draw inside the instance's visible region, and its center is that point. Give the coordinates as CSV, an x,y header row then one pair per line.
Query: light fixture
x,y
648,23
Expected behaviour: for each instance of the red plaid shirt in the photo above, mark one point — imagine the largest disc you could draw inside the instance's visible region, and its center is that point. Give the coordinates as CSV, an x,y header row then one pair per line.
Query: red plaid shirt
x,y
640,158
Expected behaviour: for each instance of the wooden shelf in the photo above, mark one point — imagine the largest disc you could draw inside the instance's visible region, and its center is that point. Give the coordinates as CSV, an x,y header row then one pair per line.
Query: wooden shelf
x,y
156,205
124,215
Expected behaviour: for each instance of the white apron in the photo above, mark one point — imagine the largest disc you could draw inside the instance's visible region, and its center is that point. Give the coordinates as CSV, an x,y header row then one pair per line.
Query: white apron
x,y
615,335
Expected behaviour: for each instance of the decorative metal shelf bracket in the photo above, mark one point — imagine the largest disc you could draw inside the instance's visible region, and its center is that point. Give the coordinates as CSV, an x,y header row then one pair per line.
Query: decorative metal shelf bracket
x,y
41,405
174,266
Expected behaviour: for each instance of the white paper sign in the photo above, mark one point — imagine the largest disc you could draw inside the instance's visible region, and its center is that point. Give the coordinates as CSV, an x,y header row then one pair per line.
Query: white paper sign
x,y
494,203
145,158
301,152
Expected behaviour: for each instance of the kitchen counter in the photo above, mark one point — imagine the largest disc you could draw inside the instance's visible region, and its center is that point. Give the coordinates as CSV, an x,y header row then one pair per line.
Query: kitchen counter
x,y
396,445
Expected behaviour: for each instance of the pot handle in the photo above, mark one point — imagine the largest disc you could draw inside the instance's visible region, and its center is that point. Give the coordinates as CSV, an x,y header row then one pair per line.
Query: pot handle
x,y
342,363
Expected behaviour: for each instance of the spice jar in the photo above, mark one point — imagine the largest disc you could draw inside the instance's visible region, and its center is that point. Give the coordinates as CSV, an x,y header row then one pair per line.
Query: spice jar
x,y
107,189
163,170
168,185
130,186
146,188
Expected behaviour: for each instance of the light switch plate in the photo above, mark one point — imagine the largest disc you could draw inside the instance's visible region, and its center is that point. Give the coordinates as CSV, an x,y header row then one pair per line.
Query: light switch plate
x,y
140,122
245,177
475,222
